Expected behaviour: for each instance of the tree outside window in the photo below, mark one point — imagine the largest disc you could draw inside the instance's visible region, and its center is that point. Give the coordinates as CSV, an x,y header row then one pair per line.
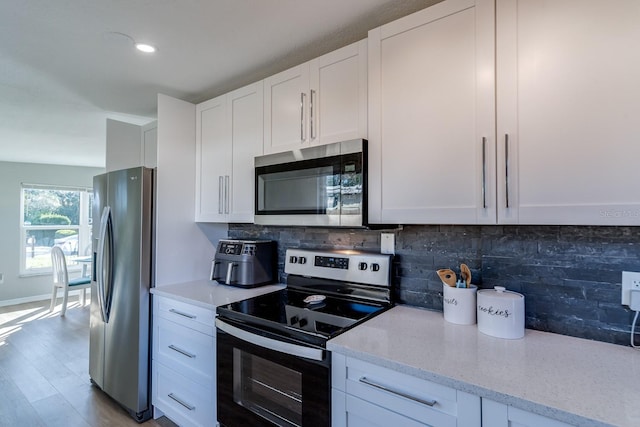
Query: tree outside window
x,y
54,217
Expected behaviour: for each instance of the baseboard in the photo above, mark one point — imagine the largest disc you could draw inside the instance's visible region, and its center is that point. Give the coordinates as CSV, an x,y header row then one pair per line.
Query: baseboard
x,y
34,298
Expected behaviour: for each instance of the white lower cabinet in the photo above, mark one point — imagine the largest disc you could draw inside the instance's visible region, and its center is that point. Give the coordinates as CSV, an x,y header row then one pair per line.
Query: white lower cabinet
x,y
496,414
184,363
365,394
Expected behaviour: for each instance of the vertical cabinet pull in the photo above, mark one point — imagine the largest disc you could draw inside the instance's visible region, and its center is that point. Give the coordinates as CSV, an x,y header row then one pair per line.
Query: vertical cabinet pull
x,y
506,168
181,402
302,133
484,172
311,105
226,194
220,195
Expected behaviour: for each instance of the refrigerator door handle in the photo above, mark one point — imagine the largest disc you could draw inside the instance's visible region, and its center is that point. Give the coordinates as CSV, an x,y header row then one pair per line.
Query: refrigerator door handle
x,y
101,268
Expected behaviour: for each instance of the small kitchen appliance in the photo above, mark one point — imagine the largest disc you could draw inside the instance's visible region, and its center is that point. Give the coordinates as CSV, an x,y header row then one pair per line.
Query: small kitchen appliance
x,y
324,185
272,363
244,263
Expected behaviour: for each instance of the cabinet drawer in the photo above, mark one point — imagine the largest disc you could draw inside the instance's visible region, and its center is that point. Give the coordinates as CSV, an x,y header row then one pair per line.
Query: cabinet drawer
x,y
422,400
191,316
185,350
183,401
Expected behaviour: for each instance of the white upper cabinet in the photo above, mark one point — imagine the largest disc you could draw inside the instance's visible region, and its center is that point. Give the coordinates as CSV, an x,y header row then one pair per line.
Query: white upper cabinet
x,y
228,137
568,104
319,102
244,115
432,116
213,159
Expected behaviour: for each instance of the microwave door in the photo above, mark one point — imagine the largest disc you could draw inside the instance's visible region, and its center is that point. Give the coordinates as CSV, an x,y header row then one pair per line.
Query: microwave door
x,y
300,193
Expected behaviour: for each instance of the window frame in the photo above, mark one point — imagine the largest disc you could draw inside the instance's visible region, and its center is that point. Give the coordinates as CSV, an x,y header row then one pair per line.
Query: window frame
x,y
83,228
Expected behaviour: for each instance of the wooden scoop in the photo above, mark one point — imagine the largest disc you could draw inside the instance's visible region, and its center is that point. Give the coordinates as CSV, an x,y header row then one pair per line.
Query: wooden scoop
x,y
447,276
465,272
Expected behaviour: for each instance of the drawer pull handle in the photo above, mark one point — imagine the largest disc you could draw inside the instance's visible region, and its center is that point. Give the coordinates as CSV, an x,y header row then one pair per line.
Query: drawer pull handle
x,y
180,313
181,351
367,381
182,402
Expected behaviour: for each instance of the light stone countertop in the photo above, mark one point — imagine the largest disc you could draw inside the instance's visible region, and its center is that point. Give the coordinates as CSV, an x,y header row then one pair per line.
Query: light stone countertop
x,y
578,381
210,294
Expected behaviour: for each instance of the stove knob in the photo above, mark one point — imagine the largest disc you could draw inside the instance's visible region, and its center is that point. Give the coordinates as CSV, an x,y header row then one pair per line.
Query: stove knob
x,y
294,320
293,259
302,260
362,266
375,267
303,323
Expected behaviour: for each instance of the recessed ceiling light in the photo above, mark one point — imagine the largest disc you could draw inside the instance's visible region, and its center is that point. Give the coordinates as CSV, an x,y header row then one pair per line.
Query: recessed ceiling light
x,y
146,48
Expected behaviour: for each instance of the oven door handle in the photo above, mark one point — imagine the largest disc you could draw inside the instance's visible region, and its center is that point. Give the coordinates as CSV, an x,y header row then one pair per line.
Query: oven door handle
x,y
271,344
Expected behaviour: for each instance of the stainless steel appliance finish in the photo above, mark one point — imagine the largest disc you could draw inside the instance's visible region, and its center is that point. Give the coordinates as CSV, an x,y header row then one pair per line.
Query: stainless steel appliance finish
x,y
273,366
122,275
244,263
325,185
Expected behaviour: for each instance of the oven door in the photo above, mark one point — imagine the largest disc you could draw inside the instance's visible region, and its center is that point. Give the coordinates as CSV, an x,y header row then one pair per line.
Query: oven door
x,y
317,186
265,381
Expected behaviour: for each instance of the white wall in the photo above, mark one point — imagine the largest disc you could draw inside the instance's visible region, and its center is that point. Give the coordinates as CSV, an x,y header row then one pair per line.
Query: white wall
x,y
184,249
12,175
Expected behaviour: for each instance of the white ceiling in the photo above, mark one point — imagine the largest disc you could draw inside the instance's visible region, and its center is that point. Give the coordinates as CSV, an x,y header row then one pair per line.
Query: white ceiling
x,y
65,66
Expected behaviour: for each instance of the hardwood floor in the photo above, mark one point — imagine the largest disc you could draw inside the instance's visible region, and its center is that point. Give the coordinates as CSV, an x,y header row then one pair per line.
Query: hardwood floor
x,y
44,364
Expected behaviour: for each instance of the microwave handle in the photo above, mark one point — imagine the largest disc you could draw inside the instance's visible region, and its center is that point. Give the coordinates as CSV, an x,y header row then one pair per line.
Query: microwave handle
x,y
270,343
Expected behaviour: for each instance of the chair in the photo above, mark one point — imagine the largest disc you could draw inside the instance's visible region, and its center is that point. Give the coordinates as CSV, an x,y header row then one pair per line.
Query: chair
x,y
61,280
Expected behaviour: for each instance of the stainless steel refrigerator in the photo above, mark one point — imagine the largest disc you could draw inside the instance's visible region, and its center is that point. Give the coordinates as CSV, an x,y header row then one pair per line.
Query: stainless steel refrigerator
x,y
119,347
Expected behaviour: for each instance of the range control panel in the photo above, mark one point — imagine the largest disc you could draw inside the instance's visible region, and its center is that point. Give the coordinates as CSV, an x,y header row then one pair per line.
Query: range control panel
x,y
348,266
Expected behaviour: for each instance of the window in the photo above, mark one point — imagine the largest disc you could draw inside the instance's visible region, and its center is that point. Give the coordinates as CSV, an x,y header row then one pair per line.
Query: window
x,y
54,216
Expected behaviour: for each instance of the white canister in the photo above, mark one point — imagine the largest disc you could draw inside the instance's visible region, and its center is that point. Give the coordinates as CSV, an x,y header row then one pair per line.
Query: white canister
x,y
501,313
459,304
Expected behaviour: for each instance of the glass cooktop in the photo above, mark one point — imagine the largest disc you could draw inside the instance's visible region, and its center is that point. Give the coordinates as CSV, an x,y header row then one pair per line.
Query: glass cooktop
x,y
301,314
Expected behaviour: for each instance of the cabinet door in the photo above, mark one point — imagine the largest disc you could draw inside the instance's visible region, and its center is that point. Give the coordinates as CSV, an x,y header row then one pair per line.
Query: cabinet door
x,y
245,107
213,160
338,95
431,116
496,414
286,109
568,107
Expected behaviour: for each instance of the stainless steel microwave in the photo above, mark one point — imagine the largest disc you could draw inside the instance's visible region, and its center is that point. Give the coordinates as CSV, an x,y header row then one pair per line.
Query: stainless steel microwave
x,y
325,185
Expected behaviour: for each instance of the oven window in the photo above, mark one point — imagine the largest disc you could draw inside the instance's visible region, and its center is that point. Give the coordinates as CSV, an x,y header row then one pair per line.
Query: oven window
x,y
267,389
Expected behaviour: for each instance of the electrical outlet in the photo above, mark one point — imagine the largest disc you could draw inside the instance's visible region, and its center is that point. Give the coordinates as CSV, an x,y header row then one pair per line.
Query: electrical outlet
x,y
387,243
630,280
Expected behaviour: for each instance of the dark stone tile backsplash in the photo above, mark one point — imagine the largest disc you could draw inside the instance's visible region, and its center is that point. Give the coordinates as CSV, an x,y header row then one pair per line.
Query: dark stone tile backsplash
x,y
570,276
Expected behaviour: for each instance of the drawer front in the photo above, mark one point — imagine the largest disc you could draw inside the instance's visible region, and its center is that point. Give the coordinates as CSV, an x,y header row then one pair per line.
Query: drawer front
x,y
185,350
191,316
183,401
422,400
364,414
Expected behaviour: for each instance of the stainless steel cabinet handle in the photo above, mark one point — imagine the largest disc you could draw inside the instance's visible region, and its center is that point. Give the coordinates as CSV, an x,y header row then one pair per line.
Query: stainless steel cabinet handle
x,y
180,313
313,134
484,173
183,352
226,194
302,133
182,402
220,191
506,168
367,381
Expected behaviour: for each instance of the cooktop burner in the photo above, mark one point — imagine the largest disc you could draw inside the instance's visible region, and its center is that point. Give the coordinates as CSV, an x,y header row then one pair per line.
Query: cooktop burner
x,y
327,293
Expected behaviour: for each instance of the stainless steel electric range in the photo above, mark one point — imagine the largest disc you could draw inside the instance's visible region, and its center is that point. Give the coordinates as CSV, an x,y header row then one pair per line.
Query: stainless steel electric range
x,y
272,363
